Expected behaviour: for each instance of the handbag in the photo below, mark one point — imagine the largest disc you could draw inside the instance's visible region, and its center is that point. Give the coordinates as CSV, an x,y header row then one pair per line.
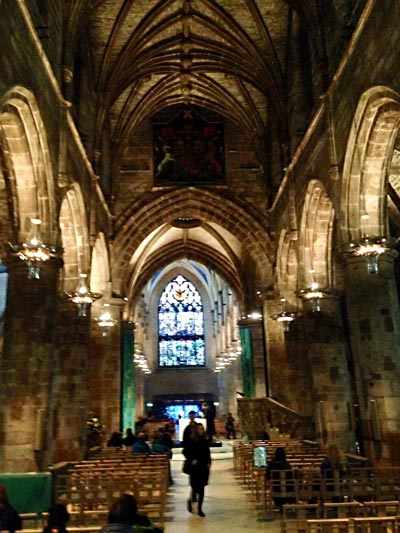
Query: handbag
x,y
187,467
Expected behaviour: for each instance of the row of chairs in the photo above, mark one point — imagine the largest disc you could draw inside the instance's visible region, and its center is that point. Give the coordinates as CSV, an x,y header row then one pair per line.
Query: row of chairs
x,y
327,510
35,522
388,524
304,485
300,455
88,488
360,500
307,484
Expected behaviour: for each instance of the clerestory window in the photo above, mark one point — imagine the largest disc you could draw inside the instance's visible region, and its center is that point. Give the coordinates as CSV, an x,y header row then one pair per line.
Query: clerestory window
x,y
180,325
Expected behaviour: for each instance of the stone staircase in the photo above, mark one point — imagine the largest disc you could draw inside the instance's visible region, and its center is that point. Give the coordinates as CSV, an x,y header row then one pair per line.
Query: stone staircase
x,y
256,415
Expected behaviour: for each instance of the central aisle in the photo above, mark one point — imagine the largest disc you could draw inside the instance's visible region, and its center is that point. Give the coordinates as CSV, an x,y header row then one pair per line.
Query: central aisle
x,y
226,504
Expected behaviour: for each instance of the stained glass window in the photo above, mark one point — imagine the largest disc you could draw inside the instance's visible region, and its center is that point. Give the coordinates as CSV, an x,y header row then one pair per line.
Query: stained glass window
x,y
180,325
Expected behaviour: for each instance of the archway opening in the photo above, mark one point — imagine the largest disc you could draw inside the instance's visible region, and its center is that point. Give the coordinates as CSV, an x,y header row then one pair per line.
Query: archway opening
x,y
185,325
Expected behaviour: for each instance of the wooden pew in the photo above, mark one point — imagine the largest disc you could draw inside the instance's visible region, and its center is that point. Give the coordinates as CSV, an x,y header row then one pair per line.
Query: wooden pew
x,y
92,486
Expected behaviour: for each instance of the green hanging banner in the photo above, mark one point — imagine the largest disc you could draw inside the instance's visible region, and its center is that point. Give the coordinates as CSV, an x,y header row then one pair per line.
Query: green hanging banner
x,y
127,378
247,362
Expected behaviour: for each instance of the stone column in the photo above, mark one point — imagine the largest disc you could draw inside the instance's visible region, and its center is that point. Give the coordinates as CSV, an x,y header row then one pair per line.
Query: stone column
x,y
105,369
27,367
229,382
278,362
70,397
289,371
374,321
328,357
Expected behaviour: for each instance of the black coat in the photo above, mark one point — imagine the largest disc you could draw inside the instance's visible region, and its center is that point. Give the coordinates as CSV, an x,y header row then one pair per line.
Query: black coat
x,y
10,519
273,474
187,433
198,450
209,415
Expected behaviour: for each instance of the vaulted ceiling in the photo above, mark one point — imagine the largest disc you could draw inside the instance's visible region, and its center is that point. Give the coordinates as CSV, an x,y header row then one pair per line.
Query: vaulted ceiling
x,y
230,57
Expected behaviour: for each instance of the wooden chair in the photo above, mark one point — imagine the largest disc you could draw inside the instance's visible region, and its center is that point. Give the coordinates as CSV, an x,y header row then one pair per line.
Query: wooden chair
x,y
362,484
388,524
374,508
295,516
325,525
342,509
283,487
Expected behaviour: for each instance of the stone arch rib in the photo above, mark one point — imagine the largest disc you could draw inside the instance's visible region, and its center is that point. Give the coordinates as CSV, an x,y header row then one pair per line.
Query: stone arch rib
x,y
238,217
74,237
100,269
287,265
370,145
27,158
200,253
315,239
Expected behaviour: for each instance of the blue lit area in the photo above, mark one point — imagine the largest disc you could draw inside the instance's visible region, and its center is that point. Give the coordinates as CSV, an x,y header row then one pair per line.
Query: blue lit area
x,y
181,325
181,411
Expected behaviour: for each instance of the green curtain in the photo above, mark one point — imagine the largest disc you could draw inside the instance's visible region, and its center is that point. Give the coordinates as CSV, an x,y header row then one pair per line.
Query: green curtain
x,y
247,362
127,378
30,492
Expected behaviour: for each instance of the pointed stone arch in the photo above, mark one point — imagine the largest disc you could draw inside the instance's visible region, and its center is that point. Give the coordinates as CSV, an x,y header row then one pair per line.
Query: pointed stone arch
x,y
27,164
200,253
241,219
287,265
315,238
100,269
74,237
369,152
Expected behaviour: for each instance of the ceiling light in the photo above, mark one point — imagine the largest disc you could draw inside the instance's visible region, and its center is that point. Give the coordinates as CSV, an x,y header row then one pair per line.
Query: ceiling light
x,y
82,296
33,251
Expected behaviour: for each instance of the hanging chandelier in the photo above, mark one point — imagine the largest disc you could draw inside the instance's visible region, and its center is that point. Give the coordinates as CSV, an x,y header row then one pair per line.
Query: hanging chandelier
x,y
140,360
371,248
82,296
228,356
105,320
285,317
315,294
34,252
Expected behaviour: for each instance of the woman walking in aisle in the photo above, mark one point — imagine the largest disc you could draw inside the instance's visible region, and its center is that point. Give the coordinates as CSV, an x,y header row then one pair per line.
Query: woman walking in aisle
x,y
197,466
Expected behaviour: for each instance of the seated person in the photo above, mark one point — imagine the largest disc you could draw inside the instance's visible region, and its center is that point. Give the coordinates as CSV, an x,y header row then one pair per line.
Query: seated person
x,y
9,518
170,427
162,443
57,519
123,518
265,436
140,423
333,469
141,446
333,461
129,438
273,474
115,441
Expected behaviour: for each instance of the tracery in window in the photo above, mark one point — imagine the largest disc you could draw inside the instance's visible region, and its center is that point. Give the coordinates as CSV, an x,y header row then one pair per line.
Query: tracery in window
x,y
180,325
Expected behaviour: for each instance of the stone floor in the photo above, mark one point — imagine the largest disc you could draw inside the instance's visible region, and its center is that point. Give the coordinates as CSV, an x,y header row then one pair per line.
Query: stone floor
x,y
227,505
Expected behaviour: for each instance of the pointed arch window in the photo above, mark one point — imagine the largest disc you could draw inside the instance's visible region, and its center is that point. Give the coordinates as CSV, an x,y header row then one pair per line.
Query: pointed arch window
x,y
180,325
